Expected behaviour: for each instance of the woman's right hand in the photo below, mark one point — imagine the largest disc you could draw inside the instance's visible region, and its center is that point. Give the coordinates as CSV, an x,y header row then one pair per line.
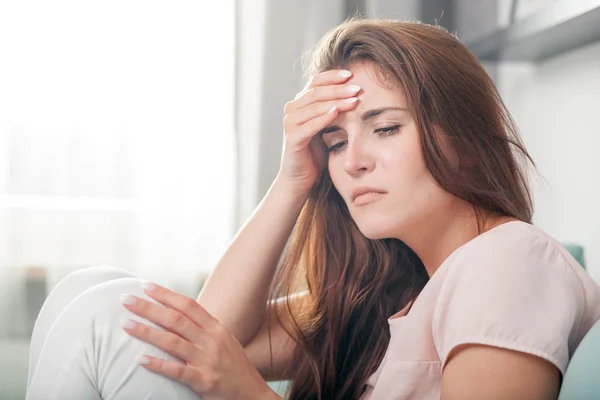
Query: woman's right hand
x,y
305,154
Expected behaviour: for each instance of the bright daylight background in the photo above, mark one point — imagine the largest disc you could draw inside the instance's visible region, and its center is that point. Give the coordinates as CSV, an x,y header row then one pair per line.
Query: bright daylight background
x,y
116,146
142,134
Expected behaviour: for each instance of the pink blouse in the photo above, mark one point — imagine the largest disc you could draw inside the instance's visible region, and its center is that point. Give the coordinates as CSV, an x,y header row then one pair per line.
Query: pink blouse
x,y
512,287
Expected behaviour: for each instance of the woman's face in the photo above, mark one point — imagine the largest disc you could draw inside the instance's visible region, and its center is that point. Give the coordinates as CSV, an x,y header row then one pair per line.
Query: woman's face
x,y
376,163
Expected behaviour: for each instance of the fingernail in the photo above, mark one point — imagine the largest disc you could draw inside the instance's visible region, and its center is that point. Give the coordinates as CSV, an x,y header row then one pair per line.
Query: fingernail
x,y
351,100
128,324
127,299
144,360
352,88
331,111
345,73
149,286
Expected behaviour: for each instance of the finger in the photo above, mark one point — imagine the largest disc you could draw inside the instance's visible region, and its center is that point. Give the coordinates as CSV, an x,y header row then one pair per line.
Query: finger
x,y
185,305
330,77
168,318
314,110
180,372
323,93
312,127
326,78
164,340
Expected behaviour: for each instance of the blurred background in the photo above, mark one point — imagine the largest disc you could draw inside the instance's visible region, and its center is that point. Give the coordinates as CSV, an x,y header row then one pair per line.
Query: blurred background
x,y
142,134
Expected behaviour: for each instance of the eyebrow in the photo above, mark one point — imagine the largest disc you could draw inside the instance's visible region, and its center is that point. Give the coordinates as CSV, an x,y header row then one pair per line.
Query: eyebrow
x,y
364,117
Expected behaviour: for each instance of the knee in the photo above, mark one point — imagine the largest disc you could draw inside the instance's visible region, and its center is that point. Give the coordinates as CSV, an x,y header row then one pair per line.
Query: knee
x,y
101,303
91,324
99,312
99,273
84,278
78,282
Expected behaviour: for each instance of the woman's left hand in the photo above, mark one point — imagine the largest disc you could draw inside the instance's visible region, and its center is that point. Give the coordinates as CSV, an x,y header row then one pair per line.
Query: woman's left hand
x,y
216,365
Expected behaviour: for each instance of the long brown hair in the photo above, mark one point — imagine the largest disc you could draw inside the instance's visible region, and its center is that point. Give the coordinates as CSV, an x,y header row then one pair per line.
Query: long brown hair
x,y
356,284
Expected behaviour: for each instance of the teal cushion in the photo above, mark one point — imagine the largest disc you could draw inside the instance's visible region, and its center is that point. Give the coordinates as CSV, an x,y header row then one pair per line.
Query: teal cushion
x,y
582,378
576,251
280,387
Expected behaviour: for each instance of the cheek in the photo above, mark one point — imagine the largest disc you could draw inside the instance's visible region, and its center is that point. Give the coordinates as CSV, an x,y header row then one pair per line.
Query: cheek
x,y
417,194
408,179
404,167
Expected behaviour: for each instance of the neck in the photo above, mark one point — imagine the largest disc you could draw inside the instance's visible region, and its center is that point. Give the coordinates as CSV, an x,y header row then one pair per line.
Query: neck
x,y
434,242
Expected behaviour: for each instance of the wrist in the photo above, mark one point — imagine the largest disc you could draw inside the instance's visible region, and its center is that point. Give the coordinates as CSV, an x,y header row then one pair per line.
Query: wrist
x,y
288,191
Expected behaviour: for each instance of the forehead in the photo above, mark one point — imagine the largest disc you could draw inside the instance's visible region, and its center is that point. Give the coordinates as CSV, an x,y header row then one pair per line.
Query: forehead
x,y
375,92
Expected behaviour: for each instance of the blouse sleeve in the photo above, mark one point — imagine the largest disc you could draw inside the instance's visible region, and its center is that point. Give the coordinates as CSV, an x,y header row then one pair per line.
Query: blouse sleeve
x,y
510,293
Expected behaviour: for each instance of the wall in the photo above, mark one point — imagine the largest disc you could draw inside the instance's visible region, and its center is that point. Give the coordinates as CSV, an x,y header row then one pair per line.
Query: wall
x,y
556,105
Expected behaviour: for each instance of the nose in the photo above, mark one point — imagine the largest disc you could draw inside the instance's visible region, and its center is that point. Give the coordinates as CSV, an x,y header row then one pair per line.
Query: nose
x,y
357,158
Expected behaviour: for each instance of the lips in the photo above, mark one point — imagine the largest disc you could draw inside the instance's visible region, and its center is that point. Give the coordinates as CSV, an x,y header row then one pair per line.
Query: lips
x,y
365,195
367,198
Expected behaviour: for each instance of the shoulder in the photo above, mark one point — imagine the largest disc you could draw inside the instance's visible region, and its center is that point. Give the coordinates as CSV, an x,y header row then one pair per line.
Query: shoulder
x,y
513,287
512,250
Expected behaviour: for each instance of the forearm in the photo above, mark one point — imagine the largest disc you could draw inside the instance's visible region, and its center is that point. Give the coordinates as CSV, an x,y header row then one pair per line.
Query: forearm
x,y
236,292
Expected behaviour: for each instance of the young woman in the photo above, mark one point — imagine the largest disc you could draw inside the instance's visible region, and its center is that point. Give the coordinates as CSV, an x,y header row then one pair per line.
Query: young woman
x,y
413,271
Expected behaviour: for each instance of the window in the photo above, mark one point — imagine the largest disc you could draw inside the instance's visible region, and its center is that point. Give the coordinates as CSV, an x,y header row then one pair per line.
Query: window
x,y
116,138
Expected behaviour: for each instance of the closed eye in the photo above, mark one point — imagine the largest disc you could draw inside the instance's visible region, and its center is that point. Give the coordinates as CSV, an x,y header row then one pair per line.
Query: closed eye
x,y
381,132
387,131
336,148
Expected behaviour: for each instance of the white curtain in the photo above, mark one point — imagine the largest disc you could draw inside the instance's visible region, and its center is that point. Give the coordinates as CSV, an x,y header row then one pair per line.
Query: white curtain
x,y
117,141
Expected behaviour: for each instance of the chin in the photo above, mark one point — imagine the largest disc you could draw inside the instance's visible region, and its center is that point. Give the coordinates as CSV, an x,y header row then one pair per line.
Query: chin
x,y
375,228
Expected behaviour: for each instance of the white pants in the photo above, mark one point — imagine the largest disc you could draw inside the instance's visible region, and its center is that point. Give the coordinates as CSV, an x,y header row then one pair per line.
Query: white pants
x,y
80,352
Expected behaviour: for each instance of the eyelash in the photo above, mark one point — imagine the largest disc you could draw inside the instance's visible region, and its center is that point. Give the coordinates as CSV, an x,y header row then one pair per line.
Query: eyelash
x,y
381,132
